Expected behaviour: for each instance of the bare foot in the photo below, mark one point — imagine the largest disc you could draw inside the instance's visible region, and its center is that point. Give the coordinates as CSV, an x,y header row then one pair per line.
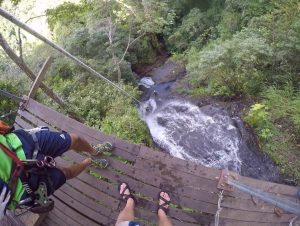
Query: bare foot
x,y
164,200
87,162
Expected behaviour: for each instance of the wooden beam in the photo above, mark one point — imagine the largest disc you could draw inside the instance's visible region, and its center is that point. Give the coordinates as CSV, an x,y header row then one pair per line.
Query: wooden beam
x,y
28,71
38,80
31,75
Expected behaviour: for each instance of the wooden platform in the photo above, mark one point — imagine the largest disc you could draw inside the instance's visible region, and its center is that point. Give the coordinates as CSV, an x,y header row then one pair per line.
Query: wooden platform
x,y
93,199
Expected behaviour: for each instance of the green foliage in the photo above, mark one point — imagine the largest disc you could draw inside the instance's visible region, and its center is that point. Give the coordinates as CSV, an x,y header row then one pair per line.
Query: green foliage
x,y
259,119
123,121
284,105
102,106
67,13
232,67
238,13
195,30
6,104
15,2
257,115
276,122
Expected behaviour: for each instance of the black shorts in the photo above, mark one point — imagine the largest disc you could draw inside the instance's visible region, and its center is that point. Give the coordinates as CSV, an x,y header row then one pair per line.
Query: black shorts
x,y
53,144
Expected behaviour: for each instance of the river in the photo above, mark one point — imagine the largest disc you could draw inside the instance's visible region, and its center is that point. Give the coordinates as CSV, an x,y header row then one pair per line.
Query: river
x,y
206,134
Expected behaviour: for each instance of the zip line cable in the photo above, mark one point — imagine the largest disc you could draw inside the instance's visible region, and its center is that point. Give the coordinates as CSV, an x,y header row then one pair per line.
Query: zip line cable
x,y
22,25
282,203
11,96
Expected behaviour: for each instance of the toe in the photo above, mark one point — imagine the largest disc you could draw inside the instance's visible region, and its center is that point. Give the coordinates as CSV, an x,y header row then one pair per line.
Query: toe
x,y
123,186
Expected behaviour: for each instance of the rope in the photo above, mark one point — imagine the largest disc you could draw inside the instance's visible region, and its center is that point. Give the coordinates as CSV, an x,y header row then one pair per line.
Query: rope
x,y
217,215
22,25
292,220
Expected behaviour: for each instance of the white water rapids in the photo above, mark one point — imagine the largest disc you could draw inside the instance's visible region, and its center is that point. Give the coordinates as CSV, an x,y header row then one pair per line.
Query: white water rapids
x,y
187,132
207,135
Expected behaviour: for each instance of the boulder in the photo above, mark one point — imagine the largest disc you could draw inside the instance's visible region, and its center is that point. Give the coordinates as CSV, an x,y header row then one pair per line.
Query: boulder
x,y
170,71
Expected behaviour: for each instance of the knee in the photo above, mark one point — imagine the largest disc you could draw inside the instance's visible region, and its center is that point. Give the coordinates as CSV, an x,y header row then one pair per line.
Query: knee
x,y
75,140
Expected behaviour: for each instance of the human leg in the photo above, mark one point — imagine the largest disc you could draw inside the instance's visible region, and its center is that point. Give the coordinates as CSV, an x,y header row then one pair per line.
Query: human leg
x,y
163,203
75,169
127,214
79,144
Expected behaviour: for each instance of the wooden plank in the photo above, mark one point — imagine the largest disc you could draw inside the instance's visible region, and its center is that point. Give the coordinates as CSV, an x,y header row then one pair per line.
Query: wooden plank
x,y
95,183
89,215
17,126
179,164
180,200
254,216
202,206
70,213
188,186
227,222
106,211
33,119
228,201
39,78
148,190
51,222
171,177
171,162
210,173
23,123
61,217
94,193
150,206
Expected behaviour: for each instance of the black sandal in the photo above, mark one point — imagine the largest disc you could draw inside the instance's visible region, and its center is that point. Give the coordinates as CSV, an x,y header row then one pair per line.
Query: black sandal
x,y
125,197
164,204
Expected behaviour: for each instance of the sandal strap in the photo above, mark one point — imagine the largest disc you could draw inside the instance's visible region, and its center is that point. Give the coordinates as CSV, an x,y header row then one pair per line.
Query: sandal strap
x,y
124,196
166,202
164,205
124,190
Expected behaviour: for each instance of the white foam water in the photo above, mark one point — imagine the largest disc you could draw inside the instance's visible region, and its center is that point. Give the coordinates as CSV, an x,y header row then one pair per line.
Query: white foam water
x,y
187,132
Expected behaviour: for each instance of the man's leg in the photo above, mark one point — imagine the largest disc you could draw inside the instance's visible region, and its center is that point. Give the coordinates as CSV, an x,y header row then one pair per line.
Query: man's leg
x,y
127,214
75,169
163,219
79,144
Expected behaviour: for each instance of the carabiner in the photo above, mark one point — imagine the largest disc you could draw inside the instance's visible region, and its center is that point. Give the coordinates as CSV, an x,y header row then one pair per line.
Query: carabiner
x,y
49,161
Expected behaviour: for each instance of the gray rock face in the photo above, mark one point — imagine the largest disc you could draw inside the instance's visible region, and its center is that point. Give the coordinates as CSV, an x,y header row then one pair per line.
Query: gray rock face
x,y
170,71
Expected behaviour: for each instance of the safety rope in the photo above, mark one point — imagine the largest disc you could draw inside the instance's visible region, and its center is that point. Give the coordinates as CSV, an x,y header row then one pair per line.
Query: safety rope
x,y
217,215
292,220
22,25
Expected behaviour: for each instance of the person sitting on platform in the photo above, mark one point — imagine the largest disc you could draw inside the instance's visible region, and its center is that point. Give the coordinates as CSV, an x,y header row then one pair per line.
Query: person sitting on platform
x,y
37,148
126,216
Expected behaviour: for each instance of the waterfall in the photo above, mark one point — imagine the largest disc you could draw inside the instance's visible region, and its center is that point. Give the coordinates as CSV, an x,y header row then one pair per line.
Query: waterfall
x,y
185,131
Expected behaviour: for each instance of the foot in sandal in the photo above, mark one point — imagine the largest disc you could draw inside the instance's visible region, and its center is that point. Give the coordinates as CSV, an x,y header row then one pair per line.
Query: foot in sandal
x,y
125,193
163,203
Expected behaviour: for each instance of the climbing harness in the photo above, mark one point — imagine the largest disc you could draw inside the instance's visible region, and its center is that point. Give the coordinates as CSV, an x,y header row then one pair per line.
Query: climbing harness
x,y
38,199
217,215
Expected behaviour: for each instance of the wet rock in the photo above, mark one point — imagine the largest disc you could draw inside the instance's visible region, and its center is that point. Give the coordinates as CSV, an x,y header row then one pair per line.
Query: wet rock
x,y
170,71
